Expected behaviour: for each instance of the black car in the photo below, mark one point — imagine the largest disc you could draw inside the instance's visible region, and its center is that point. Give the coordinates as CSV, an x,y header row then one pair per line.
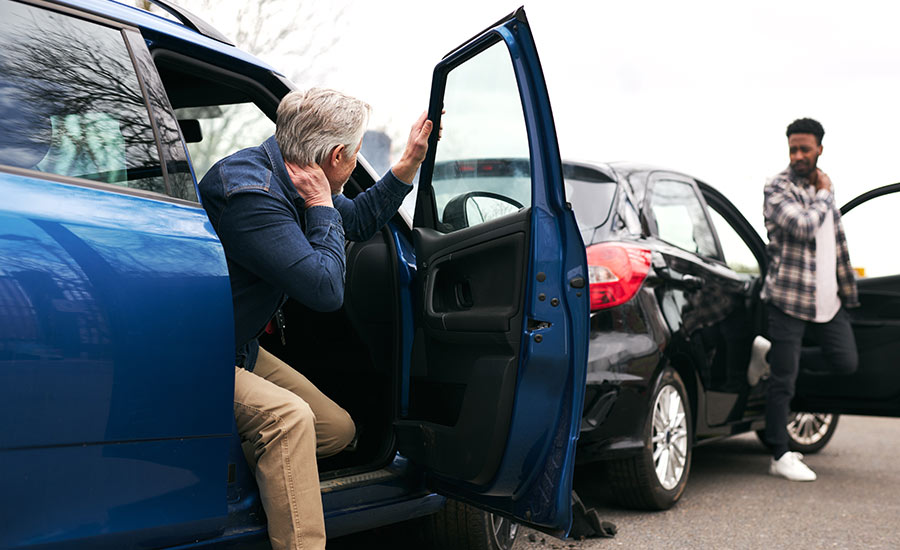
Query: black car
x,y
675,273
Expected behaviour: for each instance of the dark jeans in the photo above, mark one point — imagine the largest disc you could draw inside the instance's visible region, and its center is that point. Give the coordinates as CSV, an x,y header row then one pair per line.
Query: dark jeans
x,y
837,355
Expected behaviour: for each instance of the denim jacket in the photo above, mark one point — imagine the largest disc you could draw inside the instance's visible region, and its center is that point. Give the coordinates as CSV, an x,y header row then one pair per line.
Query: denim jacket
x,y
275,246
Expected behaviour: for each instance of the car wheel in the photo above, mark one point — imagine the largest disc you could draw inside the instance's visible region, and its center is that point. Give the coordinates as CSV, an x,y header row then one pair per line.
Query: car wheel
x,y
808,432
655,478
459,526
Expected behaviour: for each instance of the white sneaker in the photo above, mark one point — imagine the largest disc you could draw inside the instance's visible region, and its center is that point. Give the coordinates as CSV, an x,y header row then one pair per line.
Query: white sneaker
x,y
758,368
791,466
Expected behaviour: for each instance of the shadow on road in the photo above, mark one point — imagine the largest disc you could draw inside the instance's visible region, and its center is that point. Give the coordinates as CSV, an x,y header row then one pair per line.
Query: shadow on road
x,y
715,464
712,464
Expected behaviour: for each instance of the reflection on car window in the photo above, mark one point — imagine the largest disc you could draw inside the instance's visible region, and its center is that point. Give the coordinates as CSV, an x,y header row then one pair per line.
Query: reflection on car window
x,y
738,255
71,103
471,192
591,202
680,219
867,228
630,217
482,168
178,171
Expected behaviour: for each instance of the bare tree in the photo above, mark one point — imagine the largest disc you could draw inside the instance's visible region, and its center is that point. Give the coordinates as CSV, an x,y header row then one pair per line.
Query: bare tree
x,y
302,34
296,37
88,111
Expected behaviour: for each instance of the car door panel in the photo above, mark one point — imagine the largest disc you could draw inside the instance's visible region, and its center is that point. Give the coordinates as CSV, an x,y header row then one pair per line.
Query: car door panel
x,y
875,386
116,329
745,257
705,305
473,292
499,350
115,366
874,389
475,284
703,299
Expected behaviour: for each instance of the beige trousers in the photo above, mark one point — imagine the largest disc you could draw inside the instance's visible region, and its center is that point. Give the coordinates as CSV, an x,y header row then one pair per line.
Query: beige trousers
x,y
285,422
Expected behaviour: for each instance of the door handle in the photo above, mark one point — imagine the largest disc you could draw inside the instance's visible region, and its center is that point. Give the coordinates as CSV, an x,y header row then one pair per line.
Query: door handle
x,y
462,291
692,282
687,281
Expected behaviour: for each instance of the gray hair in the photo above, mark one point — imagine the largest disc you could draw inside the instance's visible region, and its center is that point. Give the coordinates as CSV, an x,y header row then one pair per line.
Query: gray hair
x,y
310,124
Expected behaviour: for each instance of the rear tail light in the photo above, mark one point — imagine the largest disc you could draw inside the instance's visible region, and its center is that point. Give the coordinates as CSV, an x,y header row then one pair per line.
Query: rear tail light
x,y
615,272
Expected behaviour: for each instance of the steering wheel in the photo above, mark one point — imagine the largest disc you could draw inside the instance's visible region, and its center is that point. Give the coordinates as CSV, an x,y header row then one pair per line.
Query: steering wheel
x,y
456,212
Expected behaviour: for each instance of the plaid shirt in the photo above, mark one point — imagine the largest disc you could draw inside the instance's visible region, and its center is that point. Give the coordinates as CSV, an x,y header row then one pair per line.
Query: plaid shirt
x,y
794,210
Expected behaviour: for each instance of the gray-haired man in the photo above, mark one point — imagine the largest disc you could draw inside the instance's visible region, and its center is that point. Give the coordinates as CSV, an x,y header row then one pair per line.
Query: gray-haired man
x,y
282,220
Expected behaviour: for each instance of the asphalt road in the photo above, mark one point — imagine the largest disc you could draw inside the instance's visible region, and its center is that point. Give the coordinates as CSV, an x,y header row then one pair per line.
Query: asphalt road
x,y
732,503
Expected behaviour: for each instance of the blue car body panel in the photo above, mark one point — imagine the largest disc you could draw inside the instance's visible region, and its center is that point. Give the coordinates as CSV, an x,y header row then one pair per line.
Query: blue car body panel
x,y
115,355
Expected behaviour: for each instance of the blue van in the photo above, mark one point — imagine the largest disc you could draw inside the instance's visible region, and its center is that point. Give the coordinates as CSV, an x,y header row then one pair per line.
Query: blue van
x,y
460,351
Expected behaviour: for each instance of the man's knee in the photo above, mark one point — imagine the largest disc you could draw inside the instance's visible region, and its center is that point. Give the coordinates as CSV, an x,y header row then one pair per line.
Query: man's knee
x,y
346,430
290,416
845,363
297,415
291,420
339,433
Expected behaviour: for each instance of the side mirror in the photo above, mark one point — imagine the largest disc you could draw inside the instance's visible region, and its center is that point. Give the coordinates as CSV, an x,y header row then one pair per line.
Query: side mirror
x,y
477,207
190,130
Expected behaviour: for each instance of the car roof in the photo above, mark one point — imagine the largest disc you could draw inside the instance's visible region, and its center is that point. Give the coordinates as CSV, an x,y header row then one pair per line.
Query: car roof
x,y
155,24
636,173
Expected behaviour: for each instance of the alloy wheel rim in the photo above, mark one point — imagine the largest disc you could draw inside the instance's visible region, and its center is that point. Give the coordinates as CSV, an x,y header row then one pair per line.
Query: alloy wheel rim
x,y
503,531
809,428
669,437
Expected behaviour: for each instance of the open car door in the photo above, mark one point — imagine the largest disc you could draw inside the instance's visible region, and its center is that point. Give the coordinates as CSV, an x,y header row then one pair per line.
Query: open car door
x,y
499,352
874,389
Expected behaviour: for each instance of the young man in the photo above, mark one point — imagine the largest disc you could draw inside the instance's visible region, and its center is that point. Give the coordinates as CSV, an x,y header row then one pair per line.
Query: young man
x,y
808,285
282,220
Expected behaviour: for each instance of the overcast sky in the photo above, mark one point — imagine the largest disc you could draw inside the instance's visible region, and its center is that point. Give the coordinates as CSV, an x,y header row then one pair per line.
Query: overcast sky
x,y
705,88
701,87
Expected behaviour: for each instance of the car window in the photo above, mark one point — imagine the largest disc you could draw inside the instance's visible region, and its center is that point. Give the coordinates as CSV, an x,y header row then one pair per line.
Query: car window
x,y
223,130
630,219
869,233
592,203
680,218
71,103
174,153
738,255
482,168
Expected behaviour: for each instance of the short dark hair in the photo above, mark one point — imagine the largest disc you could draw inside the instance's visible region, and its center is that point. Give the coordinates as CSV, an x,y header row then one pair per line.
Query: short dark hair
x,y
806,126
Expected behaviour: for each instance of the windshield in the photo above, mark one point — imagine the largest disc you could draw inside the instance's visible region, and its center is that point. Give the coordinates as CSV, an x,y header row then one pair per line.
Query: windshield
x,y
590,191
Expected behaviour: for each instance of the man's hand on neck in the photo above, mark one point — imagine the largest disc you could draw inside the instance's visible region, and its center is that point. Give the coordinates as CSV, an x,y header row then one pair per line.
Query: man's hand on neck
x,y
814,178
820,179
312,184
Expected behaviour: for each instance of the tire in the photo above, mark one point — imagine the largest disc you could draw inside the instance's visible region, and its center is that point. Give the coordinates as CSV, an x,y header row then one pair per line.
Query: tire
x,y
635,481
808,433
459,526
